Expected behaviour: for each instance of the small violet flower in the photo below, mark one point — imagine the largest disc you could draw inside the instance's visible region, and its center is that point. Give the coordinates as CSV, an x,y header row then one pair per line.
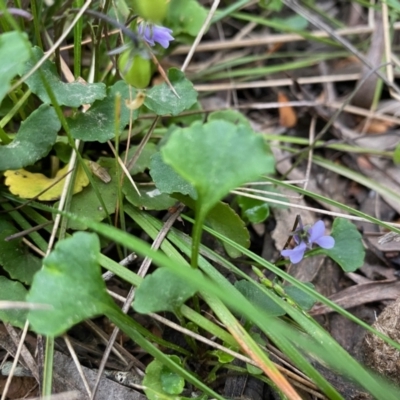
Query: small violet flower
x,y
305,237
153,34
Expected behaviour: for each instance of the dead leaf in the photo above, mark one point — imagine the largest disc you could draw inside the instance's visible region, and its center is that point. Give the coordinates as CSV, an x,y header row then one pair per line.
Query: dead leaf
x,y
21,387
361,294
287,115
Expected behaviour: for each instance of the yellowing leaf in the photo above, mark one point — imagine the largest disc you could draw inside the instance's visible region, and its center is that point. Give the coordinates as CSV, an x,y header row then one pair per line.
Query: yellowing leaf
x,y
28,185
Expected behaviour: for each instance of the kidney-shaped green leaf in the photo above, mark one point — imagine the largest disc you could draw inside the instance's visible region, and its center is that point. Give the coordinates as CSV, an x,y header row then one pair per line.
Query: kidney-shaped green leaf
x,y
72,94
71,283
163,101
14,52
217,157
349,250
33,141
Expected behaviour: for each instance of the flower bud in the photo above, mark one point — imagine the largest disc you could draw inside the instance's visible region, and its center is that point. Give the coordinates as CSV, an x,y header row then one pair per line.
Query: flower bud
x,y
135,70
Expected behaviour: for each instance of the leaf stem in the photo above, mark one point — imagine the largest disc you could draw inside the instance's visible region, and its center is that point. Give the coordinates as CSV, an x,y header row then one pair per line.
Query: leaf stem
x,y
196,234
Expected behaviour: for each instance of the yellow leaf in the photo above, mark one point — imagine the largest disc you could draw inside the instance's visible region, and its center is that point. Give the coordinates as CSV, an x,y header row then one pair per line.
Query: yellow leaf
x,y
28,185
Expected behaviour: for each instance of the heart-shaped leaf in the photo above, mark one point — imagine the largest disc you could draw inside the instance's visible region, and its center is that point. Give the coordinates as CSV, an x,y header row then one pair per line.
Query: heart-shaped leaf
x,y
72,94
14,52
216,157
163,101
71,283
348,251
33,141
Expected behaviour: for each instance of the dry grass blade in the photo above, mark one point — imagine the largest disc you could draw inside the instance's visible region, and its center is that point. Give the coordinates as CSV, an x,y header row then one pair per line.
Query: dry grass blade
x,y
389,237
295,6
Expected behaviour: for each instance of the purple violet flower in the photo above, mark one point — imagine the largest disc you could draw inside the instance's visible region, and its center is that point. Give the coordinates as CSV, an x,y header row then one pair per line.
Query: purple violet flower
x,y
153,34
305,237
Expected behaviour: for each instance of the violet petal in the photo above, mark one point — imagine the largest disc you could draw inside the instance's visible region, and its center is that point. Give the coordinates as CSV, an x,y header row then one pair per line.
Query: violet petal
x,y
326,242
162,35
153,34
316,231
296,254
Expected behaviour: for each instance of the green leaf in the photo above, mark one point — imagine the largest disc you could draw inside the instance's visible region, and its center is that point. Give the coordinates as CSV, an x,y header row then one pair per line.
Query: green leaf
x,y
272,5
33,141
258,298
224,220
87,204
15,257
186,120
143,162
163,101
162,383
296,22
72,94
12,291
163,290
171,382
167,180
348,251
224,358
71,283
150,197
185,16
14,52
253,210
63,151
303,299
216,157
233,116
98,123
